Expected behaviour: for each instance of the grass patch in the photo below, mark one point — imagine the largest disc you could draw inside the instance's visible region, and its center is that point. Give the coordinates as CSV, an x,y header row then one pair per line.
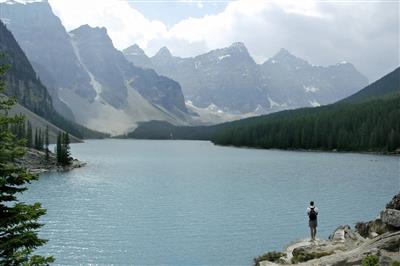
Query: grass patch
x,y
302,257
370,260
272,256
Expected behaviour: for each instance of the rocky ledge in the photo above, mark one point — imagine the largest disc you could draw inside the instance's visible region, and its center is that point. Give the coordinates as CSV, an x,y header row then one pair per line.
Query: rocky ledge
x,y
36,163
376,242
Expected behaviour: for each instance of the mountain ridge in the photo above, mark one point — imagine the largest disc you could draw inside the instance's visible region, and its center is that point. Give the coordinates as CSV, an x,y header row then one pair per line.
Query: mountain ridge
x,y
230,79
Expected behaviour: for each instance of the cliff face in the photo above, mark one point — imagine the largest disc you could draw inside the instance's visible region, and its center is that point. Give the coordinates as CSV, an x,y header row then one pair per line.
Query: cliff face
x,y
377,240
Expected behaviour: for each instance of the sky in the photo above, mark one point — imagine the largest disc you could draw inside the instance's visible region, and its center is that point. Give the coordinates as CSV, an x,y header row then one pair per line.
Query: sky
x,y
324,32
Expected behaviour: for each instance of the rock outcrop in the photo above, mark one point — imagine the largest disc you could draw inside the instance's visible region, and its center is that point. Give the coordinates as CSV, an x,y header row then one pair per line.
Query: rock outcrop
x,y
391,217
377,240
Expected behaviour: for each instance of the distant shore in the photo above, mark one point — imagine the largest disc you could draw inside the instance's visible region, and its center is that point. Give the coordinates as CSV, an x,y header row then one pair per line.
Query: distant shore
x,y
395,153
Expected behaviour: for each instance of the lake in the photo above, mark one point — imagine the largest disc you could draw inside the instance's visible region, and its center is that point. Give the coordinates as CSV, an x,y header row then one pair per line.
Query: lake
x,y
148,202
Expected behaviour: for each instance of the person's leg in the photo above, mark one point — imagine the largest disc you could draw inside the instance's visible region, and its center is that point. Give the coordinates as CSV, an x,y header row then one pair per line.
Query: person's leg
x,y
315,232
311,232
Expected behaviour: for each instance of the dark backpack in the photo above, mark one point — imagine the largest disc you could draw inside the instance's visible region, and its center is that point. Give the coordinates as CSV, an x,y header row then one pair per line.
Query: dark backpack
x,y
312,215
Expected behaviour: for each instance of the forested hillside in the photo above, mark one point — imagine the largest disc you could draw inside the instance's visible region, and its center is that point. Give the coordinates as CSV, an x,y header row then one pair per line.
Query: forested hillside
x,y
370,126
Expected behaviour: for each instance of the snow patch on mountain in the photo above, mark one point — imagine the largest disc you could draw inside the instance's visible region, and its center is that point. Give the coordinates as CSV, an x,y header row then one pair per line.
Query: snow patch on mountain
x,y
273,104
314,103
259,109
95,84
220,58
310,88
214,108
210,116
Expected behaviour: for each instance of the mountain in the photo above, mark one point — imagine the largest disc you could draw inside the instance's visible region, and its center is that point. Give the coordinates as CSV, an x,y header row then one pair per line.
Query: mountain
x,y
365,121
87,77
230,79
23,84
47,45
135,54
123,91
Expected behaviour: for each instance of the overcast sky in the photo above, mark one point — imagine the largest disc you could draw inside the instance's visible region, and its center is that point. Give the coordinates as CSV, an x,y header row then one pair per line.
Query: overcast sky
x,y
365,33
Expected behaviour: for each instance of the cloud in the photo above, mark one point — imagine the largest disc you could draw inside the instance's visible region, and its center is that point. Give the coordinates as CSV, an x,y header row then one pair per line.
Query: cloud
x,y
366,34
125,25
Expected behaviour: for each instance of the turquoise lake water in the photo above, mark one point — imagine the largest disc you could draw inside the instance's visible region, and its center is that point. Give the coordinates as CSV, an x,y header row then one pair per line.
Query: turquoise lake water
x,y
192,203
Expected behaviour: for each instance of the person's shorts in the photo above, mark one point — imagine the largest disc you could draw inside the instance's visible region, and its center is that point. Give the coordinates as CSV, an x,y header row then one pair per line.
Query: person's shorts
x,y
313,224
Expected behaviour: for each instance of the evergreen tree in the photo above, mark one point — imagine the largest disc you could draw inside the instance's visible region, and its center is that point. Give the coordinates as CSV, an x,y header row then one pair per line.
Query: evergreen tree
x,y
46,143
29,143
59,148
18,221
36,142
66,149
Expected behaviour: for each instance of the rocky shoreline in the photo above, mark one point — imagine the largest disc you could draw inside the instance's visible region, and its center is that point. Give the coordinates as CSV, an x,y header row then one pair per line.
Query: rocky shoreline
x,y
36,163
376,242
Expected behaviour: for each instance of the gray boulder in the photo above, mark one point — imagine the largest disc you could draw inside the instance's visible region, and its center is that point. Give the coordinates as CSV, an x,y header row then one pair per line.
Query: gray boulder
x,y
391,217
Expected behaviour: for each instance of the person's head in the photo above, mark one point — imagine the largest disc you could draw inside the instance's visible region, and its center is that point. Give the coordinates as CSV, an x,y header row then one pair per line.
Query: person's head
x,y
311,203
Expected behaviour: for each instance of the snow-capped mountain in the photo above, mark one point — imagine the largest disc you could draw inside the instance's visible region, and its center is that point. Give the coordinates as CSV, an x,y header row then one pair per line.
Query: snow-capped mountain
x,y
230,79
89,80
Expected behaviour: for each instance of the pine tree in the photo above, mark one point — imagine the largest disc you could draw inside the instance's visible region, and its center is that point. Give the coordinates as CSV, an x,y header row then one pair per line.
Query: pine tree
x,y
29,143
59,149
46,143
63,149
36,142
67,148
18,221
40,140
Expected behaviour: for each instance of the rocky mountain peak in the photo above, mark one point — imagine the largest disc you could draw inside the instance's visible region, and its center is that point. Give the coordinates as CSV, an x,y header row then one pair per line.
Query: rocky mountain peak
x,y
134,50
163,52
87,29
284,57
238,47
92,35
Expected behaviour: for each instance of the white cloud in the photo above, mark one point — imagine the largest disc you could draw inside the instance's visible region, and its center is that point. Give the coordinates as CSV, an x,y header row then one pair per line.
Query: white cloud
x,y
366,34
125,25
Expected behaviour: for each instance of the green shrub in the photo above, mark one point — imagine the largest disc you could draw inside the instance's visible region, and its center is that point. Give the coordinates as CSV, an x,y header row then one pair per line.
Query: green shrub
x,y
396,263
302,256
272,256
370,260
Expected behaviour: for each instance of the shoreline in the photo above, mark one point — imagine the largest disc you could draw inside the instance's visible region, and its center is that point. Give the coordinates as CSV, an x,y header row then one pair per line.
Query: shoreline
x,y
34,161
396,153
58,168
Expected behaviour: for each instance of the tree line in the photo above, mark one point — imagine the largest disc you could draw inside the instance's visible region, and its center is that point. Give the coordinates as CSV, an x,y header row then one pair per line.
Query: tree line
x,y
38,139
369,126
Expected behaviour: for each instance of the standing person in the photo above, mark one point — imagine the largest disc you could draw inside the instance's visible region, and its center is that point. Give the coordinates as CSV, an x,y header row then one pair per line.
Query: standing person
x,y
312,213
